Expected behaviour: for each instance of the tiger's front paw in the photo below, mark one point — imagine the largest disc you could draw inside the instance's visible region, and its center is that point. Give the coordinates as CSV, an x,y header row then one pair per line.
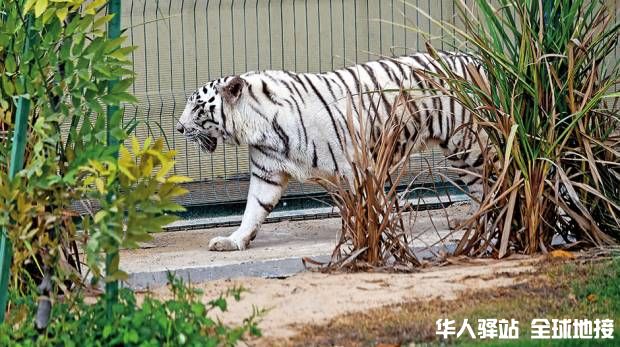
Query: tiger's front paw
x,y
221,243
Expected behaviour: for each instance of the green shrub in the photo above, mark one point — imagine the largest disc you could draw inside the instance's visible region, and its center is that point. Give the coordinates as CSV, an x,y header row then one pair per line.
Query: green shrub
x,y
66,71
58,55
124,219
180,321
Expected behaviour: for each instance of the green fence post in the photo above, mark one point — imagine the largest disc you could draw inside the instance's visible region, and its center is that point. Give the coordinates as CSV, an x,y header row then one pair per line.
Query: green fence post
x,y
17,163
114,31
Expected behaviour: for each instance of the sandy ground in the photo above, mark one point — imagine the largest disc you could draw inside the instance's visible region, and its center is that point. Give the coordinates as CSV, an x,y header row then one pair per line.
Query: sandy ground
x,y
315,298
310,297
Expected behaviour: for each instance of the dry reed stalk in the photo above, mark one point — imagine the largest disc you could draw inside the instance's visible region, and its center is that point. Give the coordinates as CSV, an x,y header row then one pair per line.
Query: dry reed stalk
x,y
544,103
373,235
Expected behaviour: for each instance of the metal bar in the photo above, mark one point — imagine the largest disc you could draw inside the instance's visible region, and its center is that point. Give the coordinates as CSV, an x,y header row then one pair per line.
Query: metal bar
x,y
368,56
355,26
331,35
307,39
5,268
393,46
19,137
133,67
146,64
281,36
171,91
269,31
405,26
197,83
344,45
114,31
17,163
318,20
211,159
159,43
380,31
174,99
226,182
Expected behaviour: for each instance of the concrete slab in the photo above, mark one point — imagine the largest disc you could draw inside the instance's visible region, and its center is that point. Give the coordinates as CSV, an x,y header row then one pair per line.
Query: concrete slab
x,y
276,252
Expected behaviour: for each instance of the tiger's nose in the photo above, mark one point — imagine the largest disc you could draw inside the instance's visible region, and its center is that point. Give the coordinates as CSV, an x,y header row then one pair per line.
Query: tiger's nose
x,y
180,127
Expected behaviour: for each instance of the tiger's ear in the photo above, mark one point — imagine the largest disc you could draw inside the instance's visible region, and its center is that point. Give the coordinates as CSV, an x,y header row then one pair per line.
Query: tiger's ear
x,y
232,91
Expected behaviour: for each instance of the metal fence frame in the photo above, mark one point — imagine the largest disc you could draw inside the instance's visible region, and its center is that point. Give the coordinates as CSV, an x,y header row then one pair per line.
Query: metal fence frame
x,y
183,44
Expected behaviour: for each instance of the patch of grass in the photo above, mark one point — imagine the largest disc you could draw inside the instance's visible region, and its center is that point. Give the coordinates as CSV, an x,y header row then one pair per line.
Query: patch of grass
x,y
576,290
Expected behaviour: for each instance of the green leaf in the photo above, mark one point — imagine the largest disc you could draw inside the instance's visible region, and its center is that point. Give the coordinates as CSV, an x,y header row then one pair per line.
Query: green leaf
x,y
7,84
132,239
171,207
40,7
9,64
107,330
122,85
178,179
61,13
100,185
92,6
117,276
121,56
102,20
220,303
28,5
131,336
198,309
113,44
135,145
100,215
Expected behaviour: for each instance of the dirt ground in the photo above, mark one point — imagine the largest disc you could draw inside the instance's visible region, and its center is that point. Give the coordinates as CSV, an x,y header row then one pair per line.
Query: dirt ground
x,y
316,298
310,298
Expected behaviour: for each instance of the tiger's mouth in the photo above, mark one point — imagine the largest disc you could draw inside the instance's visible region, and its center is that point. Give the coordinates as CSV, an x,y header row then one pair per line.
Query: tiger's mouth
x,y
206,142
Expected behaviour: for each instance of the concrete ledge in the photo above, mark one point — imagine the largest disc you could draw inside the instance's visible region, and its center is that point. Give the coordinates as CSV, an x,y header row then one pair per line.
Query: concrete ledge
x,y
276,252
275,268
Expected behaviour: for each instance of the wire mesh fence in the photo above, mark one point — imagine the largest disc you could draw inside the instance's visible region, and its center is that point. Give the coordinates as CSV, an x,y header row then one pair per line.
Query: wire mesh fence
x,y
184,43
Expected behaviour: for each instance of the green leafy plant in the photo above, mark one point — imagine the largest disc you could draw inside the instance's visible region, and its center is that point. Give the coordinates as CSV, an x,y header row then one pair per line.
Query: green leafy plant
x,y
61,60
135,196
57,54
183,320
547,101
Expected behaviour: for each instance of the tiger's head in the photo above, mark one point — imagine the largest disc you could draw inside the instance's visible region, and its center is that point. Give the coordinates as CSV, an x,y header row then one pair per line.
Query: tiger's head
x,y
204,118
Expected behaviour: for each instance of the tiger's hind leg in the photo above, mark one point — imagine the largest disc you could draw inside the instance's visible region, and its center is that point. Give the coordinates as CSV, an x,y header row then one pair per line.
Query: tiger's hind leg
x,y
469,164
265,191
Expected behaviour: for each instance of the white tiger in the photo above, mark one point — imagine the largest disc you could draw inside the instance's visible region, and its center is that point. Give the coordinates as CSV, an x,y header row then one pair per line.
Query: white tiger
x,y
295,124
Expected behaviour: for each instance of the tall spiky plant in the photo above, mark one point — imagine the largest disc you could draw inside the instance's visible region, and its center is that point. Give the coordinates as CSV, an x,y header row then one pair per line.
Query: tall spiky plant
x,y
548,104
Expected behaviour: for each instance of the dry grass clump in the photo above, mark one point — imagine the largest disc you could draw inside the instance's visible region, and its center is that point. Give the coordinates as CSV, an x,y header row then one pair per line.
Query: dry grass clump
x,y
373,228
548,104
